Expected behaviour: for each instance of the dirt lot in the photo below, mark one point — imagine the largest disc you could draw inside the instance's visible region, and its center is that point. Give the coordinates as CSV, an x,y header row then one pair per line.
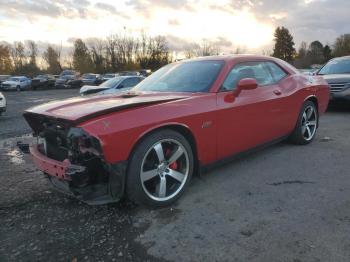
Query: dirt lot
x,y
284,203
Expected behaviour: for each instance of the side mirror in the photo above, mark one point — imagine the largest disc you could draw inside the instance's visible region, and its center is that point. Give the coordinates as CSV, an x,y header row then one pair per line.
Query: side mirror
x,y
247,84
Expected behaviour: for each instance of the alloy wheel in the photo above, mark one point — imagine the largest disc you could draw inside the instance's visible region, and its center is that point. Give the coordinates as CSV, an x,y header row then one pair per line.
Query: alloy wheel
x,y
309,123
164,170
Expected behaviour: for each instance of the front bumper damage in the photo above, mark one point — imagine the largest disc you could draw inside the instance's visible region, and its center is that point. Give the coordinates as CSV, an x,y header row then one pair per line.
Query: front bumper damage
x,y
74,179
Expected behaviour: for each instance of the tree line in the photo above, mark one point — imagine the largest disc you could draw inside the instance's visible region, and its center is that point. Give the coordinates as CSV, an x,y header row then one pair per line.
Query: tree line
x,y
119,53
115,53
308,54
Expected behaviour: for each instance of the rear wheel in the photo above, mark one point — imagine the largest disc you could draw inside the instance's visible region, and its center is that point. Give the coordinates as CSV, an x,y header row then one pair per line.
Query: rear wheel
x,y
306,127
160,169
18,88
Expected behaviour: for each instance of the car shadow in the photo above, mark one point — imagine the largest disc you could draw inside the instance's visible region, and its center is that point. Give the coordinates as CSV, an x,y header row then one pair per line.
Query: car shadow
x,y
343,107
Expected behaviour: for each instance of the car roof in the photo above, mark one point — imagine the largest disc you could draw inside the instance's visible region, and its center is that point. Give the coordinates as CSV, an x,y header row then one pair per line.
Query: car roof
x,y
341,58
245,58
18,77
232,57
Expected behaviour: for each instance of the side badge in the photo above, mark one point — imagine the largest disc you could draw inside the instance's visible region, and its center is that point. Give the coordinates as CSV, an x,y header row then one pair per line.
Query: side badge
x,y
206,124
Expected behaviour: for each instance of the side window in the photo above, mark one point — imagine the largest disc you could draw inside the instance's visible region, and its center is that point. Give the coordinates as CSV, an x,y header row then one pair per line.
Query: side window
x,y
256,70
277,72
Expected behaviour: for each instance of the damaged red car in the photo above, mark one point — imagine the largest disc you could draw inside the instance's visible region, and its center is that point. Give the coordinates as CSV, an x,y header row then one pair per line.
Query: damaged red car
x,y
147,144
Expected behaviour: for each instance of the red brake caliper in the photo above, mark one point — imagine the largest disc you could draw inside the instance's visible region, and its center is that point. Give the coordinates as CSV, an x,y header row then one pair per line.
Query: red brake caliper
x,y
174,165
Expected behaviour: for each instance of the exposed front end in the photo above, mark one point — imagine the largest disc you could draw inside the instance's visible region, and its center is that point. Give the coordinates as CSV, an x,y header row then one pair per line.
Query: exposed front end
x,y
73,161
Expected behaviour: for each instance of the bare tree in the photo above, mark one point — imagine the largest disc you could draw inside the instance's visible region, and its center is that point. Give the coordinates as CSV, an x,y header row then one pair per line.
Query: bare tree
x,y
97,52
18,56
32,52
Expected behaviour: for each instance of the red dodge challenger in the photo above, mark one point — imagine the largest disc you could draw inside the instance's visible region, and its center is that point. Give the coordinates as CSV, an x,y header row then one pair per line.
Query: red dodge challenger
x,y
146,144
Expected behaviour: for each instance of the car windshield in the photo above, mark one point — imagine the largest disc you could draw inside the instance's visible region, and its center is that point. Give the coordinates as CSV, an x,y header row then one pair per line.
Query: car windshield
x,y
192,76
338,66
111,82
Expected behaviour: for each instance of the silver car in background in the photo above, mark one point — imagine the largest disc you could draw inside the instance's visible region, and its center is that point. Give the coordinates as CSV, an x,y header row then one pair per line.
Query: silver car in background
x,y
18,83
337,73
112,86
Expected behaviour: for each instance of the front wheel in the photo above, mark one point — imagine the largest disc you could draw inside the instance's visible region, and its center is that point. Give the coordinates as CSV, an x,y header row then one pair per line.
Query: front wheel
x,y
18,88
306,127
160,169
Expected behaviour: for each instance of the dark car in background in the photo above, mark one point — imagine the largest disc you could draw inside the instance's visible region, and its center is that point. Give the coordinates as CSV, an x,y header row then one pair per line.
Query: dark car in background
x,y
337,73
43,81
108,76
91,79
65,76
145,72
86,79
128,73
112,86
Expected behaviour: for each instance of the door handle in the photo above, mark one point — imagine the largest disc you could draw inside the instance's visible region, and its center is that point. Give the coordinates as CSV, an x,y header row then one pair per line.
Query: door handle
x,y
277,92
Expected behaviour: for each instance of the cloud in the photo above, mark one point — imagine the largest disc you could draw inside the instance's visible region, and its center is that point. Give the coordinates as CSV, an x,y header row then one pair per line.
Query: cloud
x,y
40,8
174,22
307,20
106,7
182,20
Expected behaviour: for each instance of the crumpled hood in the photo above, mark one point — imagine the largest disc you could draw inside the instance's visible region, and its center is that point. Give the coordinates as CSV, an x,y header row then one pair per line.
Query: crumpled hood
x,y
92,89
80,109
337,78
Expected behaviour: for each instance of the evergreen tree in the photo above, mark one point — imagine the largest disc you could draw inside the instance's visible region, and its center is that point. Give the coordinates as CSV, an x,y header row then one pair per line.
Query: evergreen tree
x,y
316,52
284,45
327,53
82,61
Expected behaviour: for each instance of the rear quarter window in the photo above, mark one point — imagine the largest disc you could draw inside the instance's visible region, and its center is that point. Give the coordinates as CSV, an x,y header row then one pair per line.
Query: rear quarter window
x,y
276,71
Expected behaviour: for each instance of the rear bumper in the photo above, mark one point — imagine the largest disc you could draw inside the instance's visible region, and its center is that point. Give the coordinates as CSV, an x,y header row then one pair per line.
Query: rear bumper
x,y
74,179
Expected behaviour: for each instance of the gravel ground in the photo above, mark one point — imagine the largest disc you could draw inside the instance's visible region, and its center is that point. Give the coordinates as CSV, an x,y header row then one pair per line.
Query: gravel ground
x,y
284,203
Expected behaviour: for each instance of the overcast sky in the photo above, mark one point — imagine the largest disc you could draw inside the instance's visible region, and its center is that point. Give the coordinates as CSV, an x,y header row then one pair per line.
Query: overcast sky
x,y
229,23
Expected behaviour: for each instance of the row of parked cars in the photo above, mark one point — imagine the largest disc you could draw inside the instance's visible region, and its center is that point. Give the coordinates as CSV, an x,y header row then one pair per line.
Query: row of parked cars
x,y
67,79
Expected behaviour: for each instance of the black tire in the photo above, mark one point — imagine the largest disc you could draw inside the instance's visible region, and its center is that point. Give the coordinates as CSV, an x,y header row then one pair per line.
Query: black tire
x,y
18,88
298,137
135,188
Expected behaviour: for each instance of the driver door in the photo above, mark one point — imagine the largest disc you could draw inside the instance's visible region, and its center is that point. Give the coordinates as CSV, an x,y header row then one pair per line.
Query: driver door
x,y
247,118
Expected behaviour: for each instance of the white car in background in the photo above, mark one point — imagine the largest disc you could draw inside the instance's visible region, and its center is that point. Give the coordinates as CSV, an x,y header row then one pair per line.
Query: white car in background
x,y
2,103
18,83
112,86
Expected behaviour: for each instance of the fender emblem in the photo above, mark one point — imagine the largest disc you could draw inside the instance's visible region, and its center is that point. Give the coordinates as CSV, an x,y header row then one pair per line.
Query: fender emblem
x,y
106,124
206,124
